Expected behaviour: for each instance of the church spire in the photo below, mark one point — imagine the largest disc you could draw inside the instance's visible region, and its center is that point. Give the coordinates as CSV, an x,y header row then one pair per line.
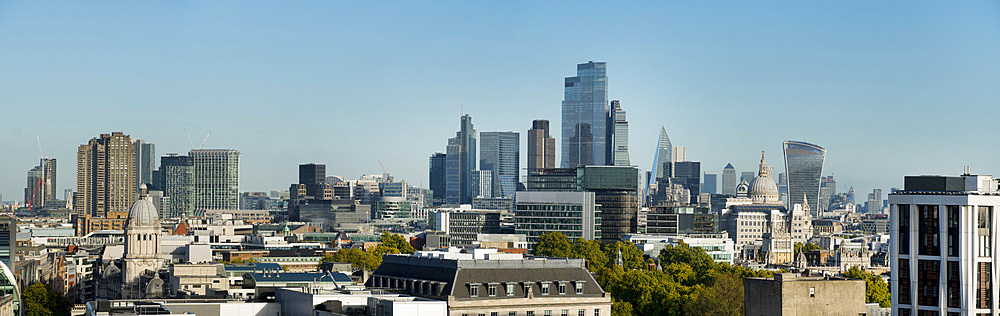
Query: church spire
x,y
763,166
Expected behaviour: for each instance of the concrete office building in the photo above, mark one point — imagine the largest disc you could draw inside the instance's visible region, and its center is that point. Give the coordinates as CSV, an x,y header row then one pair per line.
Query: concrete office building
x,y
617,138
541,146
584,116
482,184
176,177
943,230
667,219
678,154
729,180
488,283
464,225
574,214
105,175
500,153
216,179
804,167
789,294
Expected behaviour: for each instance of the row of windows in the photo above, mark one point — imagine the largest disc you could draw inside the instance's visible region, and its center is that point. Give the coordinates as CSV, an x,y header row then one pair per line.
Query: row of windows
x,y
491,288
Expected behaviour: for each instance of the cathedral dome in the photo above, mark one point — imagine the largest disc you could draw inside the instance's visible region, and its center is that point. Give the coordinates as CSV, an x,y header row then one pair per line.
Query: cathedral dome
x,y
762,189
142,213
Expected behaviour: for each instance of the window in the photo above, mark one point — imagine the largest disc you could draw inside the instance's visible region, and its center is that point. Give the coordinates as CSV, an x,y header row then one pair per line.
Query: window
x,y
510,289
597,312
473,290
904,229
579,289
581,313
545,288
985,231
494,313
904,281
491,289
562,288
928,278
985,288
953,225
530,313
547,313
812,292
929,231
511,313
565,312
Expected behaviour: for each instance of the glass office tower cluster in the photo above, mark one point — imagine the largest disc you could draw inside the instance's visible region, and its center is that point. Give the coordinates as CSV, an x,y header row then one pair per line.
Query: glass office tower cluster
x,y
615,190
584,116
803,168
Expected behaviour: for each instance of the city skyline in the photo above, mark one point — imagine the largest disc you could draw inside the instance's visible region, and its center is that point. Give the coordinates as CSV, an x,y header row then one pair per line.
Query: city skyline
x,y
845,99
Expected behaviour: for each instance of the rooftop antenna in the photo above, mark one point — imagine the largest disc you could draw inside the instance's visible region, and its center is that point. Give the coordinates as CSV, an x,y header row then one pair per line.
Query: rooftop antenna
x,y
203,142
189,138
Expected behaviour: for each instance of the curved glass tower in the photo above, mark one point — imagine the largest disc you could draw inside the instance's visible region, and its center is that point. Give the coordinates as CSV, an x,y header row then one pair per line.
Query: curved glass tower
x,y
803,168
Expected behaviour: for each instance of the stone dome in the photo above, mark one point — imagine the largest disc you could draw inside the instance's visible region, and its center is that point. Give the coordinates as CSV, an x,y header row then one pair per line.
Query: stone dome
x,y
762,189
142,213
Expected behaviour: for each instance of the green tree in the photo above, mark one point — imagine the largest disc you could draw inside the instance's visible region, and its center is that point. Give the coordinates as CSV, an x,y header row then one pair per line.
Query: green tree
x,y
807,247
40,300
359,259
876,289
553,244
396,241
724,297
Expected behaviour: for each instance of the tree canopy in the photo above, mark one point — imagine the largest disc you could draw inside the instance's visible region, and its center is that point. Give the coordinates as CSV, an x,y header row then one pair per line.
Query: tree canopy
x,y
40,300
370,260
876,289
687,282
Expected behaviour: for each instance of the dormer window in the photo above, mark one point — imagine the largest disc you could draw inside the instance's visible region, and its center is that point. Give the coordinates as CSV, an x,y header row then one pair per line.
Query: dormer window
x,y
562,287
473,289
579,287
510,289
545,288
491,289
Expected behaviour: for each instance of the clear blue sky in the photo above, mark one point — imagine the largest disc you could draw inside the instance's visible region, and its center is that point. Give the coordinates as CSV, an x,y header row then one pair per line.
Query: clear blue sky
x,y
890,88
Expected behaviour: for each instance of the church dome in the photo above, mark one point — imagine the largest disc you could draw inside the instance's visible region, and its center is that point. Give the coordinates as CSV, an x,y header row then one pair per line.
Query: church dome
x,y
762,189
142,213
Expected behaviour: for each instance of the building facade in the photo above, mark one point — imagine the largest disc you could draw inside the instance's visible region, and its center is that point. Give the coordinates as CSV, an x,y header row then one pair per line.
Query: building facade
x,y
584,116
541,146
500,153
436,172
176,177
41,184
574,214
616,189
105,175
617,148
216,179
942,234
145,162
460,162
804,167
729,180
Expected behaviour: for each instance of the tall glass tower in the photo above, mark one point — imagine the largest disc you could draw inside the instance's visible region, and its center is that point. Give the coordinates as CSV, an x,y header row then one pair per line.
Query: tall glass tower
x,y
804,167
584,116
729,180
617,136
460,161
500,152
663,152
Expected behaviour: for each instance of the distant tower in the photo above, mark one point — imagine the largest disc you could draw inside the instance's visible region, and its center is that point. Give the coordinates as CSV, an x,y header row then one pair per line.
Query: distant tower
x,y
145,162
804,167
105,175
216,179
664,151
41,186
460,161
710,183
142,245
500,153
617,147
436,173
584,116
729,180
177,183
541,146
678,154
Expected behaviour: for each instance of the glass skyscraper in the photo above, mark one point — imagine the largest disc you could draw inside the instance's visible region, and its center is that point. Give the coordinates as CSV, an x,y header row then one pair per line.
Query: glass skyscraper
x,y
584,116
804,167
216,179
663,152
437,163
500,152
617,136
729,180
177,183
460,161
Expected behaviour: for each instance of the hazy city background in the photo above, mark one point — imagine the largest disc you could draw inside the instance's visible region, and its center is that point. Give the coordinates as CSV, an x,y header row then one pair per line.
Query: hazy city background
x,y
886,88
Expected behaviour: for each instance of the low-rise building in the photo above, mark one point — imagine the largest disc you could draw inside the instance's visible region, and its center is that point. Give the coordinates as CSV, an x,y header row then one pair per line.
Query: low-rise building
x,y
718,246
788,294
495,284
574,214
196,279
